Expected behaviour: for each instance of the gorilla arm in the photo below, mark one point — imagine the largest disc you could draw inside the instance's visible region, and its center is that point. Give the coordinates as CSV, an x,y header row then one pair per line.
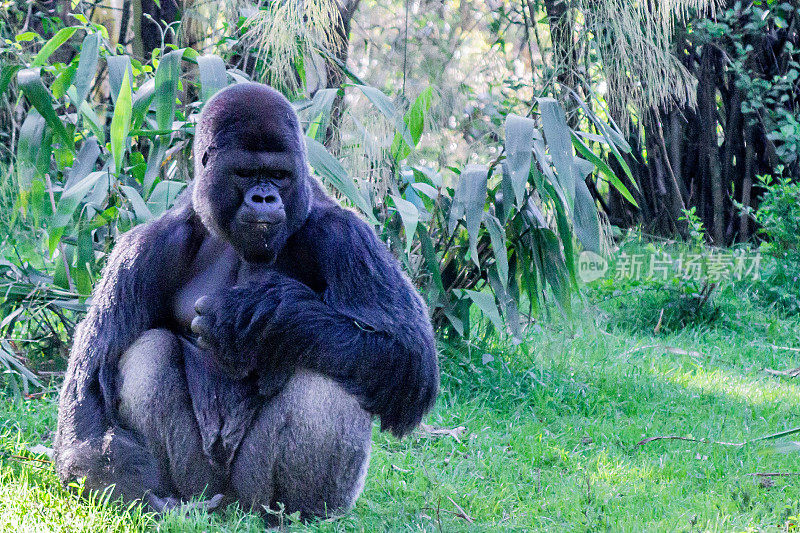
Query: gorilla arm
x,y
370,331
131,298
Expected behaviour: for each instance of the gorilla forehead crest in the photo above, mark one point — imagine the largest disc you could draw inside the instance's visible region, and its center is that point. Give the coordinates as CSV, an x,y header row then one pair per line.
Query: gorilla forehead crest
x,y
250,116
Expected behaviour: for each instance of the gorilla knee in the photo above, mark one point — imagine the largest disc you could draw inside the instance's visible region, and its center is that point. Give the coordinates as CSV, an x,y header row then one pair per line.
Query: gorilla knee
x,y
308,449
146,369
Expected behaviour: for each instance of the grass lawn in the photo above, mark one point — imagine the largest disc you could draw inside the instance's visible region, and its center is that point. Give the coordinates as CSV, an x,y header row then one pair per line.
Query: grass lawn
x,y
542,436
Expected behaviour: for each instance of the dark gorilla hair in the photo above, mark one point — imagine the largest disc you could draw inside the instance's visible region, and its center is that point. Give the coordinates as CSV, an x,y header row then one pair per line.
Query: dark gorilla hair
x,y
280,146
251,330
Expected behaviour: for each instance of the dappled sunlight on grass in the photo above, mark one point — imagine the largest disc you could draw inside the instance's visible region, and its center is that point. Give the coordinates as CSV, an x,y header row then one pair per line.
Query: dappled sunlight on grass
x,y
754,391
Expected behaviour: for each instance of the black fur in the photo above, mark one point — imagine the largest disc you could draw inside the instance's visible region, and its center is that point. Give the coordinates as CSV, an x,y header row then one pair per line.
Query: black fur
x,y
311,288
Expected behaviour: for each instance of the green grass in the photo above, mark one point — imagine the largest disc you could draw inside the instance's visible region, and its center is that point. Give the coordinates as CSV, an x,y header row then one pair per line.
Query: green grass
x,y
549,438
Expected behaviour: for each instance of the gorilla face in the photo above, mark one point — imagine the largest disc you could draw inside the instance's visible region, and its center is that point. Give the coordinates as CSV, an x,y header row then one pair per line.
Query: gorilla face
x,y
251,177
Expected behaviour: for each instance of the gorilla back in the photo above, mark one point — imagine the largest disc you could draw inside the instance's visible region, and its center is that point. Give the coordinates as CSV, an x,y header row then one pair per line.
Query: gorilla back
x,y
250,364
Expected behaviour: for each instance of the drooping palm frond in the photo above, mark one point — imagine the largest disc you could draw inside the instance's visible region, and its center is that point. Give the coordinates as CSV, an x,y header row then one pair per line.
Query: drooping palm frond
x,y
634,41
282,33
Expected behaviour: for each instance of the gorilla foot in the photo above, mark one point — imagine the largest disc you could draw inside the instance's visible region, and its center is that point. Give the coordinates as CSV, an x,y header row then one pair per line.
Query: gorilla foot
x,y
164,505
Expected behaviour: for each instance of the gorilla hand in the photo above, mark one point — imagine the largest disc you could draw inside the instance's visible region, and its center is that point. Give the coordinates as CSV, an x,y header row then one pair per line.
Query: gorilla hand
x,y
239,325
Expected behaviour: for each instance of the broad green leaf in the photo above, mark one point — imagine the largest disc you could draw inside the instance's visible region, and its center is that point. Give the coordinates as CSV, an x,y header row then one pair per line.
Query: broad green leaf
x,y
164,195
410,216
497,235
508,303
428,190
62,82
117,67
53,44
121,123
388,110
81,274
87,67
601,165
587,225
83,163
332,171
415,121
72,197
141,211
29,146
30,82
559,144
486,303
213,75
155,158
431,259
142,99
319,113
7,73
475,178
94,122
552,266
519,152
167,88
611,133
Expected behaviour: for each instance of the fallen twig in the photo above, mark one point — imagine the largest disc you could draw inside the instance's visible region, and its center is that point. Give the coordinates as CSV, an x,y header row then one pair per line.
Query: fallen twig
x,y
690,439
773,474
721,443
461,512
793,373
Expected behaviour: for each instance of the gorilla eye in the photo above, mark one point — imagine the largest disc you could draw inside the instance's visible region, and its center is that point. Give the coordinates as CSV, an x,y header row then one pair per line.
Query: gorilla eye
x,y
280,178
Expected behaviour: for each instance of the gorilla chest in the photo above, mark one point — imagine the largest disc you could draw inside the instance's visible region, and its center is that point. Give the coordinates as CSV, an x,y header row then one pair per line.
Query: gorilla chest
x,y
215,267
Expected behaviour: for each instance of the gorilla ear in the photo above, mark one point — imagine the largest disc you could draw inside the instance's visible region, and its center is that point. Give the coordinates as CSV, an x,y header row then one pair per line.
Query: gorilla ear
x,y
205,158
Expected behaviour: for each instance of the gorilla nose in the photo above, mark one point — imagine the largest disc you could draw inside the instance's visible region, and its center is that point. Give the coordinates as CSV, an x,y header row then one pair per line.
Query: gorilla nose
x,y
265,204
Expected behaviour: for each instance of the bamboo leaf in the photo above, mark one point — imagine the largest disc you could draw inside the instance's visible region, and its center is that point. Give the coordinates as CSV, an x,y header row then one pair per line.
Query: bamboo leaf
x,y
53,44
519,152
117,67
319,113
497,235
87,67
121,123
141,211
332,171
559,144
163,196
415,121
410,216
475,178
166,88
7,73
30,144
142,99
72,197
601,165
83,163
30,82
587,225
486,303
387,109
213,75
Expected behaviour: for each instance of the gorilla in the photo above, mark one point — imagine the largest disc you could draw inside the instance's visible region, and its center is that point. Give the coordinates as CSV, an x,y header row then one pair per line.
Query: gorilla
x,y
239,344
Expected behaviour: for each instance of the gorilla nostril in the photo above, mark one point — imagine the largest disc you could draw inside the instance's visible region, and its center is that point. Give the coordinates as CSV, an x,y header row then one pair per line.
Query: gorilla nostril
x,y
257,198
271,199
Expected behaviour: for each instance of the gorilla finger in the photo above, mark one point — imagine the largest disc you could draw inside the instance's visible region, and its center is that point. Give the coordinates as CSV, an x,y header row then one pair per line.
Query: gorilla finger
x,y
204,344
201,325
204,305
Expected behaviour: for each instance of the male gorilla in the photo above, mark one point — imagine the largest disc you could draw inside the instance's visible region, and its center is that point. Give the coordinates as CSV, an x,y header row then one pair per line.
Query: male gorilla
x,y
238,344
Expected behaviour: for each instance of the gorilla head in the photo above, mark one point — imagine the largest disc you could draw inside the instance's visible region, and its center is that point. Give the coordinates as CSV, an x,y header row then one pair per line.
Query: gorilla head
x,y
252,183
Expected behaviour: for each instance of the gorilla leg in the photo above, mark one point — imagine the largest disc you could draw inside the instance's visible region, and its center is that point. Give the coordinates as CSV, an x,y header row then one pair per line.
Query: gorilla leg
x,y
155,403
308,449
